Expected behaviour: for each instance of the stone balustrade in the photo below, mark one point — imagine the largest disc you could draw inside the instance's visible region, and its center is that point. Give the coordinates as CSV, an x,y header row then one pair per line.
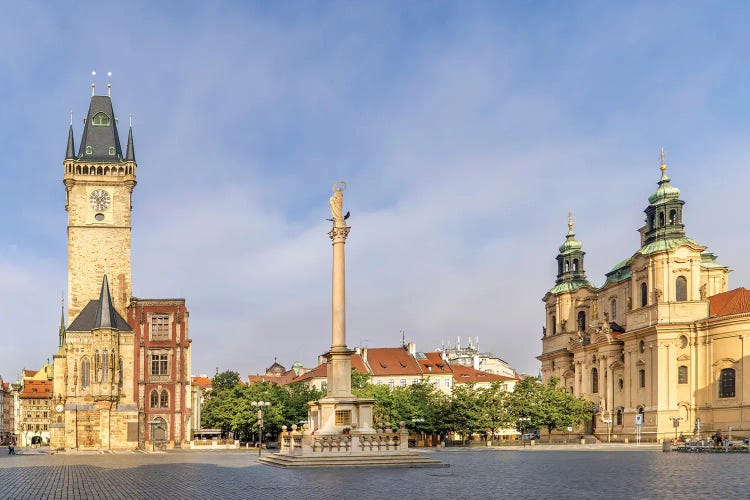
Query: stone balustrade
x,y
296,442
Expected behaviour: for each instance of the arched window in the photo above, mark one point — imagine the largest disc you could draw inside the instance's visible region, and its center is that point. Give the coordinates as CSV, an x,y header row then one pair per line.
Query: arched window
x,y
567,266
651,221
673,216
641,346
575,264
154,399
682,374
89,150
681,288
164,399
581,321
644,294
101,119
618,417
78,169
99,171
594,381
111,151
661,219
85,373
642,378
614,309
119,374
554,325
121,171
85,170
106,170
559,267
105,366
726,383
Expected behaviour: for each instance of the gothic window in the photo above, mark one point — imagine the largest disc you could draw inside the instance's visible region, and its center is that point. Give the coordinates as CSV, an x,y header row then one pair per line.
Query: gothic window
x,y
661,219
618,417
681,288
726,383
159,364
105,366
614,309
673,217
101,119
575,264
581,321
159,326
642,378
164,402
85,170
644,295
682,375
154,399
85,373
594,381
106,170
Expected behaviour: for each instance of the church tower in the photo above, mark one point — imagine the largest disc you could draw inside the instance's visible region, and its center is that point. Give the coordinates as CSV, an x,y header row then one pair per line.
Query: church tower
x,y
570,272
99,182
664,211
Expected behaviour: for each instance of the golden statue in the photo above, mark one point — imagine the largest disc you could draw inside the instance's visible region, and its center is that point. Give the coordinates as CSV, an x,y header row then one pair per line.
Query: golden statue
x,y
337,203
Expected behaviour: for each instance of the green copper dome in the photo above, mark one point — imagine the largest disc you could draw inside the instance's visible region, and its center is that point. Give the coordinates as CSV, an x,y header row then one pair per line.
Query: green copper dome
x,y
570,243
666,192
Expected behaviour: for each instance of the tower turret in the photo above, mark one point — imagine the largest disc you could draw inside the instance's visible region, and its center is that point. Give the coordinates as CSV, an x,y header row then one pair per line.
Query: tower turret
x,y
664,212
570,260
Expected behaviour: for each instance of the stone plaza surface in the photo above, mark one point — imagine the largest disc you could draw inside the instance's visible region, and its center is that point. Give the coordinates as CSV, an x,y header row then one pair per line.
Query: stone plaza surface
x,y
473,473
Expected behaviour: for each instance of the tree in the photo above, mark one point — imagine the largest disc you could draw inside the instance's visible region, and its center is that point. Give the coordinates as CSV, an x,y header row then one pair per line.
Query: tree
x,y
225,380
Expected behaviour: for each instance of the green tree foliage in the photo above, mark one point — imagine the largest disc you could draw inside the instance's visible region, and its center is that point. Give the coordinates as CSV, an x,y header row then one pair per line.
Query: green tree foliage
x,y
225,380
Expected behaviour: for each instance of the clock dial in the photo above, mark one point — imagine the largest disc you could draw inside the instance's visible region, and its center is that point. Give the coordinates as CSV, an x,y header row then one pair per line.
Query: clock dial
x,y
59,408
99,199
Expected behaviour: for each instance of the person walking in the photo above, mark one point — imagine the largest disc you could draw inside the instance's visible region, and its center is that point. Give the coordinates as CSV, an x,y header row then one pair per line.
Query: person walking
x,y
12,448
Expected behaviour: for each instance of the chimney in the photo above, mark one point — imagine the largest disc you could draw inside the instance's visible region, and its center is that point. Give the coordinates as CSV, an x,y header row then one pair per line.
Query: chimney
x,y
364,354
322,359
412,348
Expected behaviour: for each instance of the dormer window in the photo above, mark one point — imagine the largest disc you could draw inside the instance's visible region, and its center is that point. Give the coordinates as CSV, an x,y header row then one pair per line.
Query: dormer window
x,y
89,150
111,151
101,119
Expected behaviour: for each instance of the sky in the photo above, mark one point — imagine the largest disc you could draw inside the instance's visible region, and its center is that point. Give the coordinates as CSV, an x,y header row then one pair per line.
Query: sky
x,y
466,131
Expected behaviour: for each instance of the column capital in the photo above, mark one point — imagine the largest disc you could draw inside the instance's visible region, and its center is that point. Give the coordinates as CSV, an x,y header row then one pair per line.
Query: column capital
x,y
339,234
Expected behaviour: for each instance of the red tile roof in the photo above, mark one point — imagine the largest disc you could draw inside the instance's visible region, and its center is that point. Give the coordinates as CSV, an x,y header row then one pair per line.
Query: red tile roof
x,y
321,370
464,374
203,382
29,373
392,361
36,389
735,301
280,379
433,363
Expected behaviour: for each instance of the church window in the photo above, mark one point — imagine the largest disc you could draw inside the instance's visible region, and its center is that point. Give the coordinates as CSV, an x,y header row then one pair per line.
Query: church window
x,y
105,366
682,375
661,219
159,364
620,384
559,267
86,170
554,325
121,171
160,327
641,346
101,119
681,288
651,221
594,381
726,383
106,170
618,417
673,216
581,321
89,150
575,264
567,266
683,341
644,295
154,399
642,378
119,374
613,308
78,169
85,373
164,400
111,151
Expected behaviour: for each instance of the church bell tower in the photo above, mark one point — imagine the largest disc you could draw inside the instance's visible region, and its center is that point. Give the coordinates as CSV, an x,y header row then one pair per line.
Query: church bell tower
x,y
99,182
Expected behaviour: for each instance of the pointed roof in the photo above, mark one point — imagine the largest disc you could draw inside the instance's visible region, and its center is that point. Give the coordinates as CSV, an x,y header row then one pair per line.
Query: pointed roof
x,y
571,243
105,311
100,132
130,151
99,314
70,152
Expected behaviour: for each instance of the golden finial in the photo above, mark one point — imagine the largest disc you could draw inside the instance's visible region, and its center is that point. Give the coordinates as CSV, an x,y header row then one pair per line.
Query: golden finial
x,y
93,85
71,118
663,166
570,221
109,84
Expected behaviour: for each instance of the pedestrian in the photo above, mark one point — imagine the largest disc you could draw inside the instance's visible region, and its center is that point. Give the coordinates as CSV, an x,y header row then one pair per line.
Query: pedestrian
x,y
12,448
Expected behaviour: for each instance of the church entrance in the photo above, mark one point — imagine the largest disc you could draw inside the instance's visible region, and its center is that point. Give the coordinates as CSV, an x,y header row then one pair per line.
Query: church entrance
x,y
159,433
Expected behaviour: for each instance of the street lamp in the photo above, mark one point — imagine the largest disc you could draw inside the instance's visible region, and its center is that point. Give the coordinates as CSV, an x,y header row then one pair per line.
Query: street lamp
x,y
260,405
676,424
522,424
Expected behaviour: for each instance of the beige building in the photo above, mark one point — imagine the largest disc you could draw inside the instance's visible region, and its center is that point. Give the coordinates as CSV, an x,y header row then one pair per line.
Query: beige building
x,y
35,406
662,337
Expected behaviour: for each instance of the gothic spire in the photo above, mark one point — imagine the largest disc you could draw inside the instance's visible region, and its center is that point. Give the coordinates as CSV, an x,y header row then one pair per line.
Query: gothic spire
x,y
61,331
130,150
100,140
70,152
105,311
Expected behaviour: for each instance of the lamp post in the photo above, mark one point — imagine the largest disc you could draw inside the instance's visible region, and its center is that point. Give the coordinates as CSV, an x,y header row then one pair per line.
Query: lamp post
x,y
260,405
522,424
676,424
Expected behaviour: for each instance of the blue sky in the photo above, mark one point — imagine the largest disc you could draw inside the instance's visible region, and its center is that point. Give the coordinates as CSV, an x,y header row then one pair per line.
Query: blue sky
x,y
466,131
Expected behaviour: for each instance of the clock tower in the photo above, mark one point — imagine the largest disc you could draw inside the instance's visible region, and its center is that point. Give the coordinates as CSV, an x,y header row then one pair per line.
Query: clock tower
x,y
99,182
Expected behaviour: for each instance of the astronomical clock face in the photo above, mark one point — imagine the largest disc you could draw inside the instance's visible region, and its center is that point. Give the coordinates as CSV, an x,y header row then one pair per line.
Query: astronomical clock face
x,y
59,408
99,199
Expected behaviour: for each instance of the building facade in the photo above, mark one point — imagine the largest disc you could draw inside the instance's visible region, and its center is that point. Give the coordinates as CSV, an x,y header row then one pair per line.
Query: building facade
x,y
162,370
662,337
6,412
35,407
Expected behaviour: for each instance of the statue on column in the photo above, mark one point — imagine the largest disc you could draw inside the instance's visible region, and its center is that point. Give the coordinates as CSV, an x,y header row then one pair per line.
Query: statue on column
x,y
337,204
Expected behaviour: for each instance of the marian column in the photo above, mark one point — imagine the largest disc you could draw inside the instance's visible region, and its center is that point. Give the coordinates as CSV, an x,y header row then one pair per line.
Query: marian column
x,y
339,358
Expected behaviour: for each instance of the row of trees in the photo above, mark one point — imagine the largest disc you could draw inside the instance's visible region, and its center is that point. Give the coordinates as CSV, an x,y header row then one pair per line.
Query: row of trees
x,y
467,410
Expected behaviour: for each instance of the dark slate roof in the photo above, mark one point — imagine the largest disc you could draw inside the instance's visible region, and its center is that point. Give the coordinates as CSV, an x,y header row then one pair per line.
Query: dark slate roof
x,y
86,320
105,311
130,153
100,137
70,153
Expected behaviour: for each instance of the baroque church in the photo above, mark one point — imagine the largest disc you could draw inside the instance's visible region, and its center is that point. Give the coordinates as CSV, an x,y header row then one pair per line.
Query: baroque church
x,y
118,384
662,338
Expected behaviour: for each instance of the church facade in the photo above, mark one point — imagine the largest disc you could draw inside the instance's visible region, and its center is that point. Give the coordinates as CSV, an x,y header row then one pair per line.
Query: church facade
x,y
662,338
100,396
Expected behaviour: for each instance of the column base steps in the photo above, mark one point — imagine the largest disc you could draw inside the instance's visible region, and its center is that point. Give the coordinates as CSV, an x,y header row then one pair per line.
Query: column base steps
x,y
409,459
